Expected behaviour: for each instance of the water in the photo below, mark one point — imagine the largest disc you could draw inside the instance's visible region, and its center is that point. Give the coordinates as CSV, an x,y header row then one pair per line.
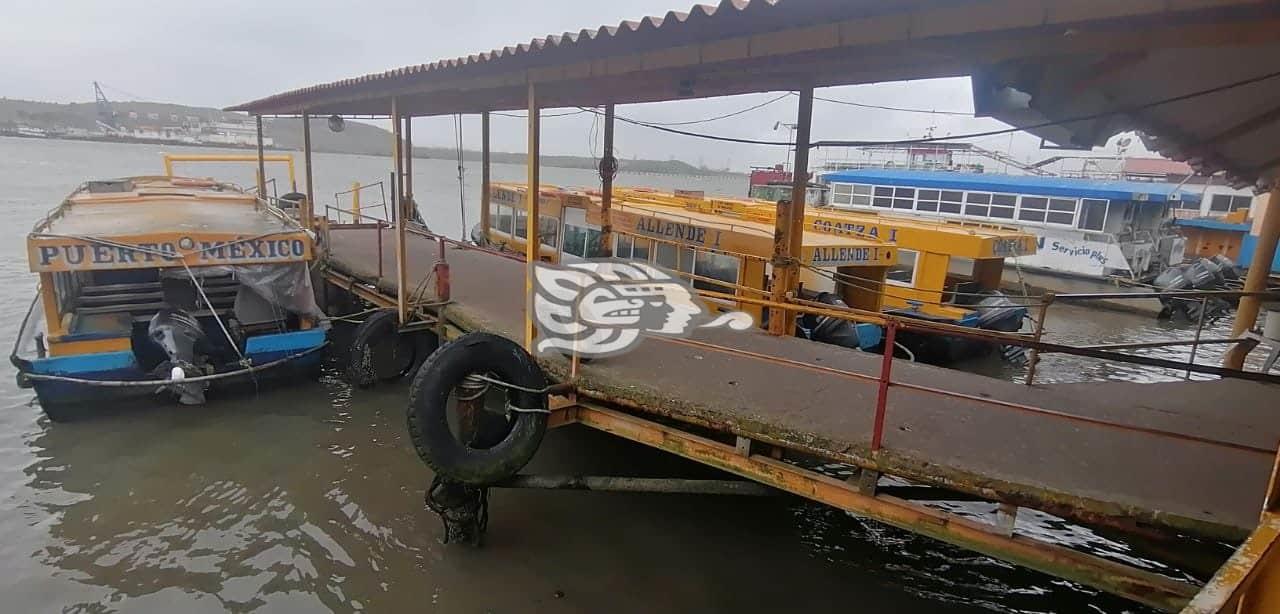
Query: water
x,y
310,498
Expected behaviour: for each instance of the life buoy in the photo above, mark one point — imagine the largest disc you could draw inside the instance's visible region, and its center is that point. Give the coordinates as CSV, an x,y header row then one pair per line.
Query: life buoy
x,y
507,437
381,353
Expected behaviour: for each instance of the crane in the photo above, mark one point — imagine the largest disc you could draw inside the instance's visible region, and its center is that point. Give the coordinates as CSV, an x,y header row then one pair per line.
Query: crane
x,y
106,116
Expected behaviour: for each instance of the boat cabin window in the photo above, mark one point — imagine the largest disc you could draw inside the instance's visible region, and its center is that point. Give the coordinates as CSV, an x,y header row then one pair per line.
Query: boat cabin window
x,y
842,193
883,197
715,266
548,230
1062,211
904,272
674,257
977,203
928,200
636,248
1223,203
951,202
1093,214
904,198
522,223
1033,209
1002,206
593,243
502,219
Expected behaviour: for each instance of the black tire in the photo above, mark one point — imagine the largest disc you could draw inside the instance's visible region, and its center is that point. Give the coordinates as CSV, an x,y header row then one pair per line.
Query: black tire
x,y
429,414
381,353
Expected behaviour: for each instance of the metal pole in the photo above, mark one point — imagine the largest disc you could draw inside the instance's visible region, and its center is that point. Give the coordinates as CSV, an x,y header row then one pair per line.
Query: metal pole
x,y
1034,359
309,210
262,165
532,210
788,237
1195,345
402,274
882,396
409,205
484,175
1256,281
608,166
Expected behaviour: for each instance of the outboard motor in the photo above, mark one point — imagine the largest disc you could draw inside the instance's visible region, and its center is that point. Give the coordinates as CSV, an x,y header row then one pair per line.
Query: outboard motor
x,y
478,237
999,312
1215,273
835,331
184,342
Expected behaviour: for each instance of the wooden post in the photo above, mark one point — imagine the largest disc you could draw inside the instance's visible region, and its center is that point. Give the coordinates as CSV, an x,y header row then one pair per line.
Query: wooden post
x,y
484,174
309,209
262,165
789,232
608,165
402,273
531,247
1264,254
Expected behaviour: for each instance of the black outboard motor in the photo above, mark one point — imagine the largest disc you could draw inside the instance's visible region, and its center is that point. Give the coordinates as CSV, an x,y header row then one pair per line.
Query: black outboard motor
x,y
1216,273
836,331
184,342
999,312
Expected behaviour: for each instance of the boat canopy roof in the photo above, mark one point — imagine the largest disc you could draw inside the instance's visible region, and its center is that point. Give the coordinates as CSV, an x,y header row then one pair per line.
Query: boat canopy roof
x,y
147,222
1137,191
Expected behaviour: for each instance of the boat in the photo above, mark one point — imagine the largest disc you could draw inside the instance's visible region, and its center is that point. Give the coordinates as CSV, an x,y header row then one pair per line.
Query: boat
x,y
1087,229
726,258
166,284
948,271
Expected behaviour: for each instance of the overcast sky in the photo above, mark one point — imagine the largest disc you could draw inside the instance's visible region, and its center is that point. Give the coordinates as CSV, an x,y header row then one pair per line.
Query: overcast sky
x,y
236,50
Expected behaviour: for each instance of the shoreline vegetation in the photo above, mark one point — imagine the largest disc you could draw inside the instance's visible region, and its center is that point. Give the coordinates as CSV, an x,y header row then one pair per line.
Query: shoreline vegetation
x,y
78,122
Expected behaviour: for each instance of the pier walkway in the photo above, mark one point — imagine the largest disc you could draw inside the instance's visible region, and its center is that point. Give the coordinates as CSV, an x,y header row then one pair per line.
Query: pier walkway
x,y
1091,456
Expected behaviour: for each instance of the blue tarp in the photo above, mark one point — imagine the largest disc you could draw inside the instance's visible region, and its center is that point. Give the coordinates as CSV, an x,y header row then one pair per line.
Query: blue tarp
x,y
1016,184
1212,224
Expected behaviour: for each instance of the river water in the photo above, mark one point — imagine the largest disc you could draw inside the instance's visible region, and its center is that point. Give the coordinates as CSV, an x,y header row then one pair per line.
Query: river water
x,y
310,497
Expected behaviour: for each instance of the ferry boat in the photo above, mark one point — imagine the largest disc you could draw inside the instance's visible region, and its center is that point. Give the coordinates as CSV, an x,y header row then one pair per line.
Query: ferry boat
x,y
730,241
1096,230
947,271
727,257
164,284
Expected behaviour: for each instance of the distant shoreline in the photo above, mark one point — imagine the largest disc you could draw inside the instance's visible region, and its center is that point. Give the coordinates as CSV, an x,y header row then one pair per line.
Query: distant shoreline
x,y
418,155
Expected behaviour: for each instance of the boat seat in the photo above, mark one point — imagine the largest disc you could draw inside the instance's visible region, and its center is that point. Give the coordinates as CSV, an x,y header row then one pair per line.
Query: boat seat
x,y
99,326
98,299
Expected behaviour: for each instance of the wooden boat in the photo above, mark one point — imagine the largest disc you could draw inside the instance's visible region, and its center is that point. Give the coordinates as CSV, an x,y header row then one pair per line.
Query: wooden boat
x,y
165,283
947,271
727,257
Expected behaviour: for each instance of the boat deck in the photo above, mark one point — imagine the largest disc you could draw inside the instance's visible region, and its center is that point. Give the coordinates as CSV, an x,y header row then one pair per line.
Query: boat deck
x,y
785,392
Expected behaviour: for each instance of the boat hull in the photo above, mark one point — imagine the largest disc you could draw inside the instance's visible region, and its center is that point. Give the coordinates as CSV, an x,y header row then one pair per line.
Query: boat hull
x,y
62,399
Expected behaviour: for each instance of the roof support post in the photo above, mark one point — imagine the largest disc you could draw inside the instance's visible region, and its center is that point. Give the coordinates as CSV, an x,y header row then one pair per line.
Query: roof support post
x,y
262,165
608,168
309,208
531,246
402,274
484,175
1256,281
410,208
788,237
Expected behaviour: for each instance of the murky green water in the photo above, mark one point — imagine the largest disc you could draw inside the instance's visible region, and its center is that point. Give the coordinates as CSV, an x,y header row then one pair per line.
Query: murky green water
x,y
310,498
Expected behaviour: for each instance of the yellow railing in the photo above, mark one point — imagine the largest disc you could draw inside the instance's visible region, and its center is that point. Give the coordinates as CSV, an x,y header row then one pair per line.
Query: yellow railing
x,y
169,159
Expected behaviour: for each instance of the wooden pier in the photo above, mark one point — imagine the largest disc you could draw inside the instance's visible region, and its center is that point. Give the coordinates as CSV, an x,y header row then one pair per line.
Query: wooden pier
x,y
1197,76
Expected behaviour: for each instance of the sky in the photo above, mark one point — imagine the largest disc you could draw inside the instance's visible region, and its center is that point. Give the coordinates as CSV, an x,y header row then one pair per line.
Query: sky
x,y
221,53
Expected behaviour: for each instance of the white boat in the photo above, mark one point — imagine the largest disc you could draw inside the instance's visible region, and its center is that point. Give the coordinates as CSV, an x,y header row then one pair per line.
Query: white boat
x,y
1084,228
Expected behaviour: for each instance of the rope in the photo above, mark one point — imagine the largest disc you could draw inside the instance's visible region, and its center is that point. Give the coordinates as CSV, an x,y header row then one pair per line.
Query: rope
x,y
462,189
40,377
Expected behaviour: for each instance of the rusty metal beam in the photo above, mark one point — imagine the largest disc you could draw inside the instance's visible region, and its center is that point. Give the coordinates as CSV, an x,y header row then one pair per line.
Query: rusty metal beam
x,y
533,209
308,211
484,174
262,166
608,166
1144,587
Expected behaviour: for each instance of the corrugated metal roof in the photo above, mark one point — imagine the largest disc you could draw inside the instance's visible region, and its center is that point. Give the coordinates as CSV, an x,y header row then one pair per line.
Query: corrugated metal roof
x,y
1017,184
1156,166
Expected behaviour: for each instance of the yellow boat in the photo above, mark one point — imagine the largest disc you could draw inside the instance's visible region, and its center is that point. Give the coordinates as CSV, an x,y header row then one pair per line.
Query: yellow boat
x,y
727,257
164,282
946,271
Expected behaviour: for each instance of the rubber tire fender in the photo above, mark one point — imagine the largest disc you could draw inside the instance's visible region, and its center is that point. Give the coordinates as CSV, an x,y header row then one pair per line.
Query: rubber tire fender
x,y
428,410
367,333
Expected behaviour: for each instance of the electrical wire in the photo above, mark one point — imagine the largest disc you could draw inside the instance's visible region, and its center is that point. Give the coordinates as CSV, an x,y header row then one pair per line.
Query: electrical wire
x,y
725,116
972,135
888,108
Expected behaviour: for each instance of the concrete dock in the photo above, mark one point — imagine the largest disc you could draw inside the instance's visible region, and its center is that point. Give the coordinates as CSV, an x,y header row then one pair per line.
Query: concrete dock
x,y
1091,456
